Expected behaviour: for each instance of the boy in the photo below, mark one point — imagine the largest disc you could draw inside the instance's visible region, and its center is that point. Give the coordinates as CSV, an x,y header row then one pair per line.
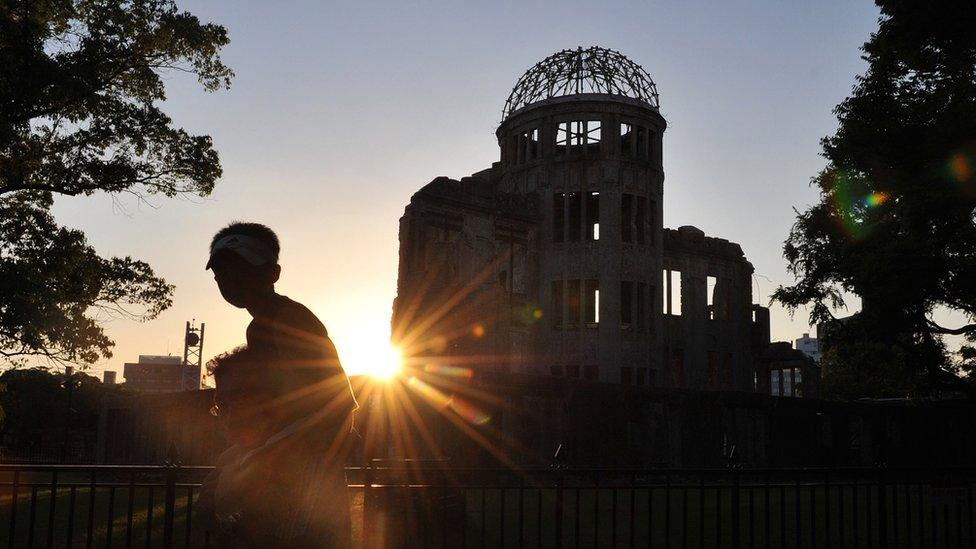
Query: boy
x,y
290,401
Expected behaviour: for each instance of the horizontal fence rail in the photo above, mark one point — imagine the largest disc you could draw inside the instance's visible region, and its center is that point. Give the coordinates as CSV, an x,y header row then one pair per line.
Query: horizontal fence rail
x,y
424,505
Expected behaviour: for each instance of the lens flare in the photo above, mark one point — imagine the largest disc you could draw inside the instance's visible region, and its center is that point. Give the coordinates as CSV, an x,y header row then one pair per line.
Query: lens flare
x,y
468,411
441,401
960,167
876,199
449,371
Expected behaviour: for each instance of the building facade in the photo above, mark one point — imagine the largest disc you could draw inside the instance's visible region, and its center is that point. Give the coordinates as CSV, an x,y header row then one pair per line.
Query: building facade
x,y
809,346
555,261
161,374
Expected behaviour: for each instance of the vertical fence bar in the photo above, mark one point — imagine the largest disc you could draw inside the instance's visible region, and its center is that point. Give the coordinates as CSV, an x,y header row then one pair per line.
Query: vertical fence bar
x,y
521,510
841,517
33,514
149,517
13,506
769,533
869,503
484,515
827,509
752,514
650,514
501,518
972,514
667,509
813,515
130,509
882,510
908,512
854,517
633,510
935,520
736,527
560,482
895,523
782,514
701,510
613,515
921,514
91,510
111,517
169,508
797,511
684,517
596,513
50,509
538,526
189,516
718,514
71,514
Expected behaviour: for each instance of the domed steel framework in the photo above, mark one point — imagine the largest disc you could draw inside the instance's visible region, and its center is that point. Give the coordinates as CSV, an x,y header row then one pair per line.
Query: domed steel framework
x,y
570,72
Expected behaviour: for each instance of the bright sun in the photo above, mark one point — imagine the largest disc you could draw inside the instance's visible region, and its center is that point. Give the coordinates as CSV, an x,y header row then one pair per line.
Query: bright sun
x,y
379,360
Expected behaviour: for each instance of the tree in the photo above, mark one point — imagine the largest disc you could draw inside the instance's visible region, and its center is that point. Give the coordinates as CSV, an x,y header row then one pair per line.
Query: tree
x,y
896,220
80,87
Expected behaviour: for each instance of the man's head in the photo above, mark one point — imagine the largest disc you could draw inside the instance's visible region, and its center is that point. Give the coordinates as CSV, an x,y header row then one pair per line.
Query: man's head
x,y
244,260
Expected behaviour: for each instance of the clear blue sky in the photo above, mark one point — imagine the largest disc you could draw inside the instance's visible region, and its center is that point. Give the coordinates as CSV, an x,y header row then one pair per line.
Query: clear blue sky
x,y
340,111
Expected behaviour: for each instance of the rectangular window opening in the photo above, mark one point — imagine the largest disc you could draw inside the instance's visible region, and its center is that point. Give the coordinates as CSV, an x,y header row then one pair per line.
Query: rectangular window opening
x,y
672,292
626,139
591,303
556,371
556,313
558,217
592,136
562,138
593,216
575,216
710,283
641,376
573,302
640,145
626,304
627,218
678,368
573,370
641,312
626,375
590,372
533,145
640,218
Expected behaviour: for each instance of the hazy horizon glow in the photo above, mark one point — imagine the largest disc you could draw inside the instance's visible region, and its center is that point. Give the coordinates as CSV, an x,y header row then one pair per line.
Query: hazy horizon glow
x,y
341,111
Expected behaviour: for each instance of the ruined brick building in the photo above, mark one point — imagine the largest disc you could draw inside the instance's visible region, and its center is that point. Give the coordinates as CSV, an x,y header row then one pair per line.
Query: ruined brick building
x,y
554,261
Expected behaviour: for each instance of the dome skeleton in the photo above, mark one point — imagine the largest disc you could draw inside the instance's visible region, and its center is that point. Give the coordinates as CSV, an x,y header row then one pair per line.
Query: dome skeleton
x,y
570,72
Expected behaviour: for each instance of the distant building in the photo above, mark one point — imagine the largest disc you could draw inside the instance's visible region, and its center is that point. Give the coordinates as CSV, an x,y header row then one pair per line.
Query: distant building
x,y
790,372
809,346
108,377
161,374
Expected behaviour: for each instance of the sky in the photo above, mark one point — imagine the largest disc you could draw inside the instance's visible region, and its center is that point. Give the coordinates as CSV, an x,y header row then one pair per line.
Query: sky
x,y
340,111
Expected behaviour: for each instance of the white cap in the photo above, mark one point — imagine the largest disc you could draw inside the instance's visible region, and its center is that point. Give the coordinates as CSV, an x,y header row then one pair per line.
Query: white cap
x,y
248,248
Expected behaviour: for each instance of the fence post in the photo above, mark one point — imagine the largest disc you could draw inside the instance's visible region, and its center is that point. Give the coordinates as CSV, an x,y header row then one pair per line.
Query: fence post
x,y
170,503
559,509
735,510
882,509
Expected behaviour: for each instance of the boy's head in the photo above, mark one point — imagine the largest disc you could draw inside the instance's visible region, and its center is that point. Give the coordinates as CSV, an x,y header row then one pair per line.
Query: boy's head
x,y
244,260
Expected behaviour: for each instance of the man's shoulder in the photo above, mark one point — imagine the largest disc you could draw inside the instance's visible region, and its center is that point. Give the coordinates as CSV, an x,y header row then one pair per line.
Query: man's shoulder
x,y
292,313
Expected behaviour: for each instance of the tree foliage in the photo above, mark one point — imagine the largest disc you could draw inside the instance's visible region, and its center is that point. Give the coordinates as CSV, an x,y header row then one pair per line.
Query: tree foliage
x,y
896,220
80,87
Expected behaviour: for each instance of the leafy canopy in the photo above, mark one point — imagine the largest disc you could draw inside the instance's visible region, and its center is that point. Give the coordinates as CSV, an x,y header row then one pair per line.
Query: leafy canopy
x,y
80,87
896,220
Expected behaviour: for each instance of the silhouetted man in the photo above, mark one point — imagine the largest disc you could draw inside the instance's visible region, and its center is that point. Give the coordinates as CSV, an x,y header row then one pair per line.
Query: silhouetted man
x,y
287,406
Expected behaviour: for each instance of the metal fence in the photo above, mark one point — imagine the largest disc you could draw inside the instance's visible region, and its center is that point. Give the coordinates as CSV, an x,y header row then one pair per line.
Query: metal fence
x,y
422,505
